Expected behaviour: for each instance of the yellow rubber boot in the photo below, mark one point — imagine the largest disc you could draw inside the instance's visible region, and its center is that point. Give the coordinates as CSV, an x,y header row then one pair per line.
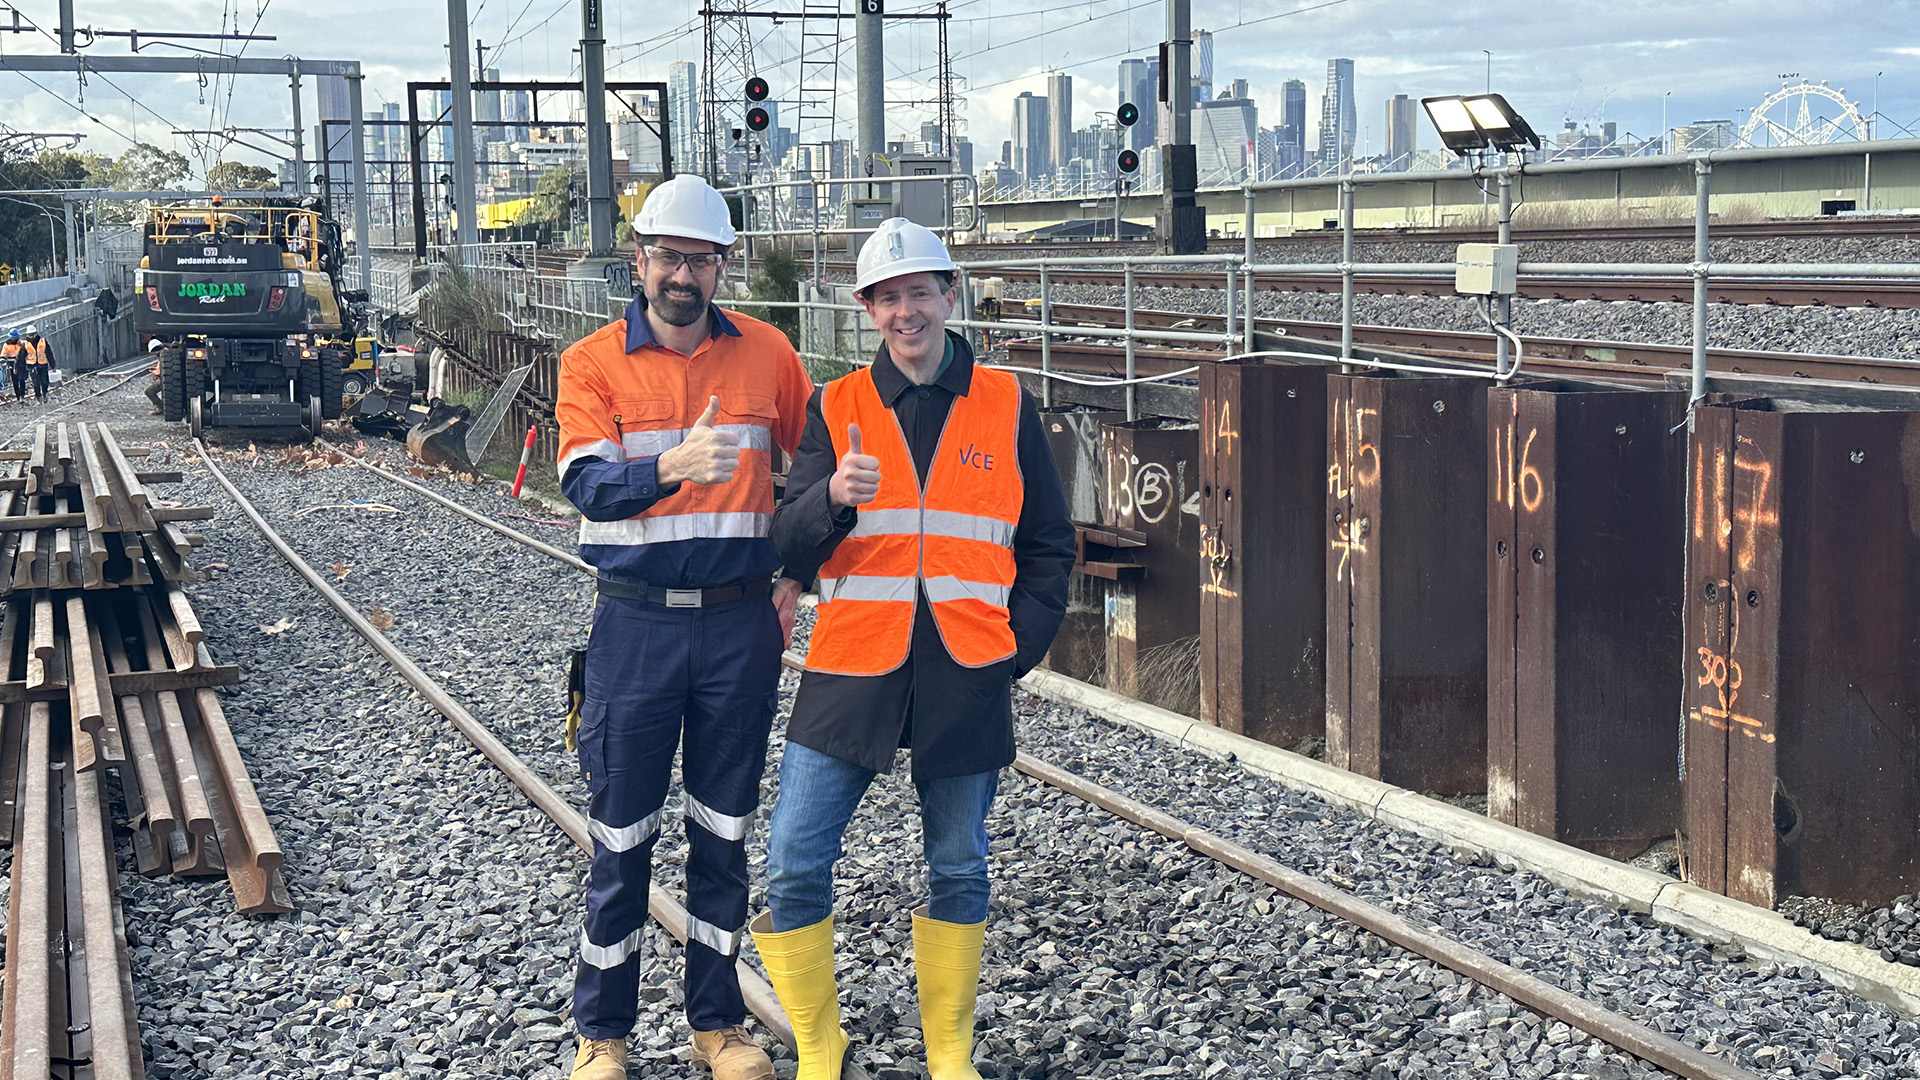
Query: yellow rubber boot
x,y
946,959
800,966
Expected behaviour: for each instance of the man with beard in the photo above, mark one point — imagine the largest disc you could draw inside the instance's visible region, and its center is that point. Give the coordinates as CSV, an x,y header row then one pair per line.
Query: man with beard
x,y
668,422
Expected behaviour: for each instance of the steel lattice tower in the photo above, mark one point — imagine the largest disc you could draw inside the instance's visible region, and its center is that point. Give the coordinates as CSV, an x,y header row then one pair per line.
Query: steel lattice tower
x,y
729,64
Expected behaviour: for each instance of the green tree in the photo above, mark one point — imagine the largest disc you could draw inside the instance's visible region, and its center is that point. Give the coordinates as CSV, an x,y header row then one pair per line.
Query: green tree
x,y
24,241
552,204
146,167
778,278
239,176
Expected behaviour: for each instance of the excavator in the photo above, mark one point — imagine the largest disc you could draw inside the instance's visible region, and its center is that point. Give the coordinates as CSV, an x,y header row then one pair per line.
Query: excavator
x,y
247,301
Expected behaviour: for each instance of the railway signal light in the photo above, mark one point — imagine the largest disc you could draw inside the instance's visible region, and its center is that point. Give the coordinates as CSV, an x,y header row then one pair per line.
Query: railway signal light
x,y
757,119
1129,161
757,89
1129,114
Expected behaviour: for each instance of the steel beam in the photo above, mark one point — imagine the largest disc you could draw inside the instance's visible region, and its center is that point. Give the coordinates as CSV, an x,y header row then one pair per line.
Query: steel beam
x,y
178,65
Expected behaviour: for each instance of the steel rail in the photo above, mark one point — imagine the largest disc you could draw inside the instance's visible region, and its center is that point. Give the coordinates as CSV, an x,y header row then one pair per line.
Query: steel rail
x,y
1729,284
1647,362
1543,997
1537,994
662,906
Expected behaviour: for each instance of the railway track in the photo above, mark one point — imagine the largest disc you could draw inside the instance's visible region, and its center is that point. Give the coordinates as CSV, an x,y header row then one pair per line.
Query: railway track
x,y
1896,227
1632,363
1530,991
1868,293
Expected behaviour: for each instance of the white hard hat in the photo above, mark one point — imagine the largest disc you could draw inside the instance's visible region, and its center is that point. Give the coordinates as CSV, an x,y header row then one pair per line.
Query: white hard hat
x,y
32,328
685,206
900,247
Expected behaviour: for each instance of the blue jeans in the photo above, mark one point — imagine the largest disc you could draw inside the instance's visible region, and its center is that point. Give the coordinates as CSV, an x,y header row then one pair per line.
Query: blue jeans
x,y
818,795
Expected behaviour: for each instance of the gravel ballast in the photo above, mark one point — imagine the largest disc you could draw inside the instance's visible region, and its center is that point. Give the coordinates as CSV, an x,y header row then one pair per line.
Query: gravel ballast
x,y
438,911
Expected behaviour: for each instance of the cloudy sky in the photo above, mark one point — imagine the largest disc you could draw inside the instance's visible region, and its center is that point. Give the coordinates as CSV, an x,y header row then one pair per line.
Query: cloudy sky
x,y
1616,60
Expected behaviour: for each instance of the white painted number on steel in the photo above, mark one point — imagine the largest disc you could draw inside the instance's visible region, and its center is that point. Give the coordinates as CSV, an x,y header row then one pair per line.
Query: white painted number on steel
x,y
871,7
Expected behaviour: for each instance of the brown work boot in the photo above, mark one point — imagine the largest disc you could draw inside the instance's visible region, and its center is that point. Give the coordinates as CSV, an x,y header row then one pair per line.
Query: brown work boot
x,y
731,1054
600,1059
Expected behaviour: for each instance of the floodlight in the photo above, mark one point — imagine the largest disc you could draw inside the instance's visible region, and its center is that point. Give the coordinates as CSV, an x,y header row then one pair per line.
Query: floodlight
x,y
1455,124
1503,127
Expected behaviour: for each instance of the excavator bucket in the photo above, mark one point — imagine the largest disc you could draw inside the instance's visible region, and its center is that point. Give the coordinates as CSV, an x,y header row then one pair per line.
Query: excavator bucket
x,y
441,439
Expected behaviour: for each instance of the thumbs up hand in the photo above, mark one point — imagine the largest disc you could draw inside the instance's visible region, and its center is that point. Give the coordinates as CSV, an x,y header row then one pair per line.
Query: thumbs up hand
x,y
857,480
706,456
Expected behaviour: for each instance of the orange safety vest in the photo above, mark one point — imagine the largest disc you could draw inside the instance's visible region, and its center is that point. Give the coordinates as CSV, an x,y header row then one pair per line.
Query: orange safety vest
x,y
954,539
12,350
37,353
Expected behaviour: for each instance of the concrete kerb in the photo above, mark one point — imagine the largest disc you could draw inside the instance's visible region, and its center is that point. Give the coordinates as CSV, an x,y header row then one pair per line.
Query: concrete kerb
x,y
1764,934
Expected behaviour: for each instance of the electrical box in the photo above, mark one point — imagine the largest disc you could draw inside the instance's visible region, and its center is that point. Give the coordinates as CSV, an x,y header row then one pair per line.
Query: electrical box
x,y
866,215
1486,269
927,202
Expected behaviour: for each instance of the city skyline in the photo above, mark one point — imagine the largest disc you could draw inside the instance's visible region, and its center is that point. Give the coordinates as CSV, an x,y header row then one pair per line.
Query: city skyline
x,y
1708,62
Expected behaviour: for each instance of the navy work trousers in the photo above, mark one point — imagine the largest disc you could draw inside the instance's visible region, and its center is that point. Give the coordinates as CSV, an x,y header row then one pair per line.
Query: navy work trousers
x,y
656,677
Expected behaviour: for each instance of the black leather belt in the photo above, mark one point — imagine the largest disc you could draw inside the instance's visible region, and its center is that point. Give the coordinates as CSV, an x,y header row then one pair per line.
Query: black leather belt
x,y
682,598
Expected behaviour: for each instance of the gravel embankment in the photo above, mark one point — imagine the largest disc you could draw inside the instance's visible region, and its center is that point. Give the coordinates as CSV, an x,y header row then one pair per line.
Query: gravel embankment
x,y
1879,332
438,911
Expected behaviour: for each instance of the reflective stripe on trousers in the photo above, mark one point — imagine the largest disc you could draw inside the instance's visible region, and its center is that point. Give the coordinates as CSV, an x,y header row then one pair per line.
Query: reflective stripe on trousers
x,y
706,688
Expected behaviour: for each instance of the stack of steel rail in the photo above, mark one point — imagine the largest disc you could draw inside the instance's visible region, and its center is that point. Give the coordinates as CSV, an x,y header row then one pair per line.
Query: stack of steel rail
x,y
104,669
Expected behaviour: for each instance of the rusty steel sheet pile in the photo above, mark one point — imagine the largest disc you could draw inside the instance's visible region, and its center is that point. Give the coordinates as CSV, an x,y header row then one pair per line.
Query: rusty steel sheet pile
x,y
1584,561
1263,477
1152,471
105,668
1406,580
1079,650
1802,689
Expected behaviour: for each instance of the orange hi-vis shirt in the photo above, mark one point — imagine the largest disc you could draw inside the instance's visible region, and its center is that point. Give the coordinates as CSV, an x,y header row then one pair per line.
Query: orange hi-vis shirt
x,y
624,399
949,535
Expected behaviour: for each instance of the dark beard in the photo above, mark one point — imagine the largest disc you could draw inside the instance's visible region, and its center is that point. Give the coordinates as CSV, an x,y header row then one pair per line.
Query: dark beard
x,y
677,311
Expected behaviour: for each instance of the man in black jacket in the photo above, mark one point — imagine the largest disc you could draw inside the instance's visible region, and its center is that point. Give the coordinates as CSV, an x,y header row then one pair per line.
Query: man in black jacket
x,y
925,498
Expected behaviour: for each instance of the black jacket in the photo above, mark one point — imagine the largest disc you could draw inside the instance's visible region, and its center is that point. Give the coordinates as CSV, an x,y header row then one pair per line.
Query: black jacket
x,y
956,720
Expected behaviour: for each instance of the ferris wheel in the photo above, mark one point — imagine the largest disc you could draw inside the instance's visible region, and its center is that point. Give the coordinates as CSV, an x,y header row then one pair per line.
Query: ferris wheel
x,y
1799,115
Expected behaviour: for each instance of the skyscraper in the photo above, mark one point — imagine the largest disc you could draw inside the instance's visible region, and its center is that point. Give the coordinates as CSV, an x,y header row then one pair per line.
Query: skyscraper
x,y
1059,120
1225,140
1202,66
486,116
1338,119
1138,86
1290,151
1031,134
1401,137
683,111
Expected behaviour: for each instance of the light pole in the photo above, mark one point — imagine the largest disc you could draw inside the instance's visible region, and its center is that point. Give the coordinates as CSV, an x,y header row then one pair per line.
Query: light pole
x,y
53,251
1663,121
1489,53
1876,104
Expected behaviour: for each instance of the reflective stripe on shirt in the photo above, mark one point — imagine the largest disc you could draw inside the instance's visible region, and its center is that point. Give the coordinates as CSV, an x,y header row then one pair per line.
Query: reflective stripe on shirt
x,y
669,527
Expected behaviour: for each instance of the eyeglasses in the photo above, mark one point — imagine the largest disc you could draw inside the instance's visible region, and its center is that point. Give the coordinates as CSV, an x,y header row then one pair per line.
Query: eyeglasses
x,y
671,261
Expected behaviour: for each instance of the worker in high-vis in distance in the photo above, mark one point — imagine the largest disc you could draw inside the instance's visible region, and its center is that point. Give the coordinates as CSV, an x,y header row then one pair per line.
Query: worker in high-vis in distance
x,y
926,500
669,420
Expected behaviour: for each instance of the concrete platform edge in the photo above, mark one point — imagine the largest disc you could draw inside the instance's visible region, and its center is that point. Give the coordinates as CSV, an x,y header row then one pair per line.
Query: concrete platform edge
x,y
1764,934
